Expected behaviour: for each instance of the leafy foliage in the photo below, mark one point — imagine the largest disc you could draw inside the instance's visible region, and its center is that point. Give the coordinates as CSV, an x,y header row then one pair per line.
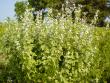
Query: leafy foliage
x,y
20,8
56,51
88,6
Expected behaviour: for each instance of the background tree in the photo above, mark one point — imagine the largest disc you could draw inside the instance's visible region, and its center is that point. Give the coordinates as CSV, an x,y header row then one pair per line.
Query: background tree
x,y
39,4
56,5
20,8
89,6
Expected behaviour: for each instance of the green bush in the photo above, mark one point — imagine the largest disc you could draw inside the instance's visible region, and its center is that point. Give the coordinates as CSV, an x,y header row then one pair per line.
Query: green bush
x,y
56,51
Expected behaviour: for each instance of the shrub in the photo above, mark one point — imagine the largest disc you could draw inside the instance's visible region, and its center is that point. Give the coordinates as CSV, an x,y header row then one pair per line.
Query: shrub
x,y
56,51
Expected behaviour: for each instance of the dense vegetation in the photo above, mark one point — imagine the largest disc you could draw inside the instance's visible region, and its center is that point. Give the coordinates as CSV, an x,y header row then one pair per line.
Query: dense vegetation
x,y
89,8
54,51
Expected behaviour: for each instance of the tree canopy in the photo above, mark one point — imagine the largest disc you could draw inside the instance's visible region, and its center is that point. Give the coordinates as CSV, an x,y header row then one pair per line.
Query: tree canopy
x,y
89,6
20,8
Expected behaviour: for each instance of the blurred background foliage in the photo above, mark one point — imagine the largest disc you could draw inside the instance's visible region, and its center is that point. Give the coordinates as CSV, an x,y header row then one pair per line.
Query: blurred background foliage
x,y
88,6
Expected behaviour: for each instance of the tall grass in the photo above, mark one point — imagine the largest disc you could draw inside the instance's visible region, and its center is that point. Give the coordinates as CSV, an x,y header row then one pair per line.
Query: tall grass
x,y
55,51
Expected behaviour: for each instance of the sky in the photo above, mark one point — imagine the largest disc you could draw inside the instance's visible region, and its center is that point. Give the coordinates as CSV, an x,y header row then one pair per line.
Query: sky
x,y
7,9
